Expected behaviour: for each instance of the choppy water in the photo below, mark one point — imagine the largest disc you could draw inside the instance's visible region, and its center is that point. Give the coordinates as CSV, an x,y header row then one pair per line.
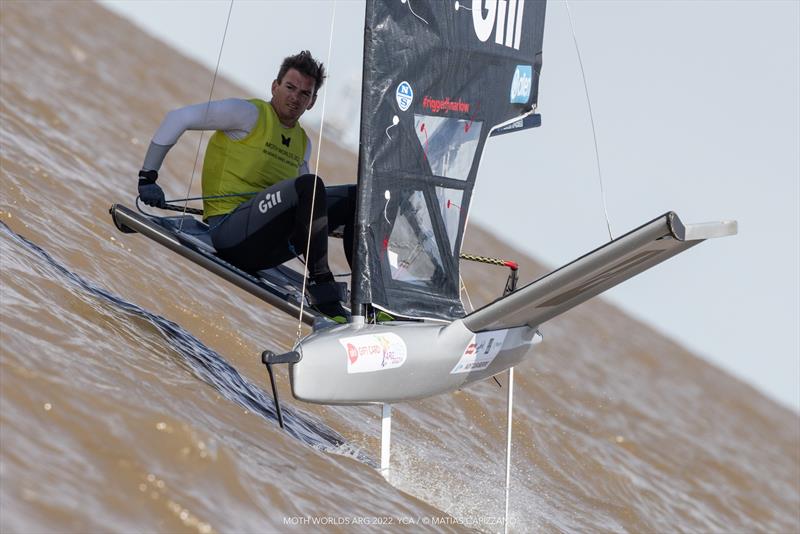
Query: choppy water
x,y
133,397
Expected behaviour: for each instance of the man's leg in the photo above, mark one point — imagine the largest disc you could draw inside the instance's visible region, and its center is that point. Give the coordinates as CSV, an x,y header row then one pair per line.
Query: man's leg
x,y
274,226
311,226
342,212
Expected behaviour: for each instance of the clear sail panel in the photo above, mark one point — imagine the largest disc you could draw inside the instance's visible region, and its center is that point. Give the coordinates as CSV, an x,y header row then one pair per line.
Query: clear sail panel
x,y
449,144
412,250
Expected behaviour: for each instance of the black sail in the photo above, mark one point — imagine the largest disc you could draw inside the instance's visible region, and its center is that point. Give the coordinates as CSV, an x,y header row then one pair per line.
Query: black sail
x,y
440,77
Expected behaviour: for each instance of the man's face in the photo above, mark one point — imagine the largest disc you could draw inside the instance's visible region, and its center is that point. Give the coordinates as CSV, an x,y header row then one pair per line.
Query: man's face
x,y
292,96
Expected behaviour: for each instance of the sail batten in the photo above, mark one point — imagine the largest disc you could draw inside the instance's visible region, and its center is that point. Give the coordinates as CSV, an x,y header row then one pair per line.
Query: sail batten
x,y
437,81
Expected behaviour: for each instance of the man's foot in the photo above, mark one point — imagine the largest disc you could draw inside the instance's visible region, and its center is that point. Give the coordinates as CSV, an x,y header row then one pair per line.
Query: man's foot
x,y
334,310
383,317
327,297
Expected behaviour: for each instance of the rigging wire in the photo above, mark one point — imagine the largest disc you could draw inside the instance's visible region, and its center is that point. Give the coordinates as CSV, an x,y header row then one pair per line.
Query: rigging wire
x,y
591,118
316,173
208,105
464,289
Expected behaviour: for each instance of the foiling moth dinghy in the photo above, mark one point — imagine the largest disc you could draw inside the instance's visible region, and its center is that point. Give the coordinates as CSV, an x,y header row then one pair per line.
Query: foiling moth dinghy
x,y
399,361
465,76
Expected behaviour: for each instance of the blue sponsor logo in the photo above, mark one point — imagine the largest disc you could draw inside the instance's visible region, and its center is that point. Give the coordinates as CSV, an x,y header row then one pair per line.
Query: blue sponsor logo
x,y
404,95
521,85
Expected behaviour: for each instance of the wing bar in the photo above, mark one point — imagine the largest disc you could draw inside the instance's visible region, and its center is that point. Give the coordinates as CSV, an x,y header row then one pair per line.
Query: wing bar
x,y
597,271
126,219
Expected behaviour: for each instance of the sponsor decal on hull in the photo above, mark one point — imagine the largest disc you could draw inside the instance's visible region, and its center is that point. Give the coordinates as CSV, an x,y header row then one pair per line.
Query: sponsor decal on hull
x,y
480,351
374,352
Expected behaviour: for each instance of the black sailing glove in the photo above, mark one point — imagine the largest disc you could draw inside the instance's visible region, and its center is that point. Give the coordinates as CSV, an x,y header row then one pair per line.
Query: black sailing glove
x,y
150,192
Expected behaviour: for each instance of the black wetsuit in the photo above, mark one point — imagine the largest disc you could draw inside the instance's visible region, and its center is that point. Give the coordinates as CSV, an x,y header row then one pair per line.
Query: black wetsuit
x,y
272,227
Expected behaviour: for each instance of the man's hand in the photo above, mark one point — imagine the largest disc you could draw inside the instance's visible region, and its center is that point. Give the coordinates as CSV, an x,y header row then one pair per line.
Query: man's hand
x,y
150,192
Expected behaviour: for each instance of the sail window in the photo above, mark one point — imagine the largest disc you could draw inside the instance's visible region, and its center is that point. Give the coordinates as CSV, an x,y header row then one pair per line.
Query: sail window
x,y
412,250
449,144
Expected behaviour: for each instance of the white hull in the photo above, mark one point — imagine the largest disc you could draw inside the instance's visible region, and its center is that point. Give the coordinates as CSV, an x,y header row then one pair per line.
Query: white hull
x,y
394,362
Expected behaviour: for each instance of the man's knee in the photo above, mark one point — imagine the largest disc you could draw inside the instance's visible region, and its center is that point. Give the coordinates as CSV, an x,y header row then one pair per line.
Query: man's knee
x,y
307,182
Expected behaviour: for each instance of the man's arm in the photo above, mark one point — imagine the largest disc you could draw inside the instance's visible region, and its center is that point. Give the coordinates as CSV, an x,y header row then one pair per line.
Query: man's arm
x,y
234,116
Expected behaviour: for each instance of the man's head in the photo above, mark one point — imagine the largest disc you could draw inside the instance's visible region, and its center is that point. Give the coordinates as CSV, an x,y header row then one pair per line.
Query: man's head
x,y
295,89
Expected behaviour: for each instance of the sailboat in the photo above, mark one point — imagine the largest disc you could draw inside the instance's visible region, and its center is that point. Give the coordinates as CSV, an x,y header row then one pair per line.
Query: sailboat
x,y
440,79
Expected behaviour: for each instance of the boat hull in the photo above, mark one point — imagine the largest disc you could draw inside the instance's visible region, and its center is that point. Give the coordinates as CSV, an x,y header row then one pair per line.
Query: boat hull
x,y
395,362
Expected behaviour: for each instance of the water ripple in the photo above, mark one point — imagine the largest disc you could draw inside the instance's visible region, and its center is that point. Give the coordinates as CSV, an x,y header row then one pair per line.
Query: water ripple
x,y
208,365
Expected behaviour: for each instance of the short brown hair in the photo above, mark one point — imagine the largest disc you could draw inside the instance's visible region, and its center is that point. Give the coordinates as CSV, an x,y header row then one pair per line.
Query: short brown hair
x,y
304,63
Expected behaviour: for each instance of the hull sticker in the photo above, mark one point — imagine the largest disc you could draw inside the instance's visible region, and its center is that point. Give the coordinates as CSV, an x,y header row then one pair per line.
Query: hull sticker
x,y
480,351
374,352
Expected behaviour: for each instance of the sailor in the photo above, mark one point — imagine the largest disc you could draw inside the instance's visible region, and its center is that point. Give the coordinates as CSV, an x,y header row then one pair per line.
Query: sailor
x,y
261,152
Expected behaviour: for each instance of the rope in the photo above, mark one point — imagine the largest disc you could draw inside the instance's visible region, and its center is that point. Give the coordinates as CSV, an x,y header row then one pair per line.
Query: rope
x,y
511,284
214,196
183,209
316,173
208,105
591,118
491,261
169,207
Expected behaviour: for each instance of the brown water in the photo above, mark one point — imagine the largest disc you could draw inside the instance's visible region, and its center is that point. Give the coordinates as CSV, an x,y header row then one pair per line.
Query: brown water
x,y
133,398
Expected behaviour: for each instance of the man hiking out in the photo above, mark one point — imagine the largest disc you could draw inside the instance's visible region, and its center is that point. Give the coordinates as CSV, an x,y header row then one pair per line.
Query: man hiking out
x,y
258,192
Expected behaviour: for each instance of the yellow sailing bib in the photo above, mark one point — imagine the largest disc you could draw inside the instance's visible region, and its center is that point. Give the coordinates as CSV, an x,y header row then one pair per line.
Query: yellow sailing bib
x,y
269,154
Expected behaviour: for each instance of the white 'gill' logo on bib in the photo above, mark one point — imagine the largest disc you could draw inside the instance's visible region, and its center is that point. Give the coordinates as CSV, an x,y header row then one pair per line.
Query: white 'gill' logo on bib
x,y
272,199
504,16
